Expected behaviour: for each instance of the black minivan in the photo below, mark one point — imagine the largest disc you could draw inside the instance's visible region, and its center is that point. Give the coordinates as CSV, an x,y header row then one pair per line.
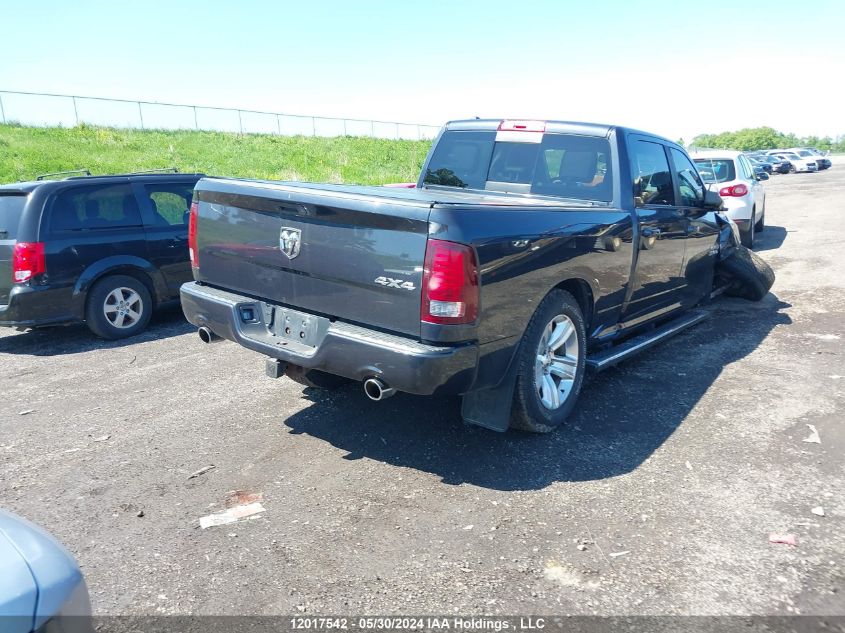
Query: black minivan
x,y
105,250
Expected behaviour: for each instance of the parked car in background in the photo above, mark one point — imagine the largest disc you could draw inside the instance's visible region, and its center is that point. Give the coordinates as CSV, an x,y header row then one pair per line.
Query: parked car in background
x,y
803,152
779,165
104,250
825,160
731,174
796,162
756,162
41,586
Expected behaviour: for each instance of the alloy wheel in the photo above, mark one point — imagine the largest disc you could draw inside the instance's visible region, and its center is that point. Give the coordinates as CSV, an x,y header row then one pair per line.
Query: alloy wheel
x,y
556,363
123,307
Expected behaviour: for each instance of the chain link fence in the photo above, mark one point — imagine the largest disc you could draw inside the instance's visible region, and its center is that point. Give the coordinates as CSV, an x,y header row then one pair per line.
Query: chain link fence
x,y
43,109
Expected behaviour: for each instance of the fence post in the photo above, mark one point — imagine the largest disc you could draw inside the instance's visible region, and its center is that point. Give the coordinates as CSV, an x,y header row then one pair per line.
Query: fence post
x,y
196,124
2,111
313,126
344,127
397,131
240,123
373,129
141,115
278,125
75,111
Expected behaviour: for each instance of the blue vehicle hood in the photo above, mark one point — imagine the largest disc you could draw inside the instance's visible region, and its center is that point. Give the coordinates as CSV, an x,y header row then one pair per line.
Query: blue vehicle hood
x,y
37,575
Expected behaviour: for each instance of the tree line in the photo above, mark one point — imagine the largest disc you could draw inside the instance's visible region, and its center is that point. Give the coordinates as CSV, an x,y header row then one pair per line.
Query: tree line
x,y
749,139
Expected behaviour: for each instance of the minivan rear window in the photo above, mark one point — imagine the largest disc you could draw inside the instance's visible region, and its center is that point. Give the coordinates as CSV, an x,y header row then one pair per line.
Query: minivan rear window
x,y
561,165
715,169
11,208
94,208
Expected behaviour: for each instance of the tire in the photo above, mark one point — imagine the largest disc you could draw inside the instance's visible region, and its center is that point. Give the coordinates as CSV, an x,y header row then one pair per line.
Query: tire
x,y
118,307
761,223
314,378
750,276
536,380
747,236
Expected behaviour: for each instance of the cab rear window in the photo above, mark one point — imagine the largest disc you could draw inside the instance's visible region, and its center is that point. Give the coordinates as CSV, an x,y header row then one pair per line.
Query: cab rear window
x,y
11,208
562,165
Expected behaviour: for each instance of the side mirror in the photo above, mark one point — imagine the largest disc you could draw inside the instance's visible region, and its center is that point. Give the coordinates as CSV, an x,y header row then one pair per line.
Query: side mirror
x,y
762,176
712,200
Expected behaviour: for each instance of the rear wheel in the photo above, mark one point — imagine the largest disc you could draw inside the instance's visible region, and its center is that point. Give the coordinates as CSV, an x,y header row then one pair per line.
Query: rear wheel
x,y
551,362
761,223
118,306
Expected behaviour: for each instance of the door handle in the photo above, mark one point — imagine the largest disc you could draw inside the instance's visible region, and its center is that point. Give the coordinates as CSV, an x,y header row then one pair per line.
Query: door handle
x,y
651,231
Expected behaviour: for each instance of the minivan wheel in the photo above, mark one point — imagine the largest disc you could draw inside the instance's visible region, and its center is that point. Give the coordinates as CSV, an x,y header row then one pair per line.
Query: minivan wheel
x,y
118,306
551,361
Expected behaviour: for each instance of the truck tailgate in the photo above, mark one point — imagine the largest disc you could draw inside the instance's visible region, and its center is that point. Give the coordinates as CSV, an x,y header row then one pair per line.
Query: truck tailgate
x,y
353,253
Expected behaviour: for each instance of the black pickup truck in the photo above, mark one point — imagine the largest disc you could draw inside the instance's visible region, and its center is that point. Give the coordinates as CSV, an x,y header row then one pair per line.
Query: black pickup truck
x,y
527,253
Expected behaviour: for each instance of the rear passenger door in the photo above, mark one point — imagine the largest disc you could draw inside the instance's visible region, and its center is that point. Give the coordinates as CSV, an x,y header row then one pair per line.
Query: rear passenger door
x,y
89,223
165,206
657,283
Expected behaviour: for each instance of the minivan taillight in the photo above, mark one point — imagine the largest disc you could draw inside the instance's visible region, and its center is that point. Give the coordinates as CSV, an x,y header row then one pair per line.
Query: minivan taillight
x,y
28,261
192,235
736,191
450,283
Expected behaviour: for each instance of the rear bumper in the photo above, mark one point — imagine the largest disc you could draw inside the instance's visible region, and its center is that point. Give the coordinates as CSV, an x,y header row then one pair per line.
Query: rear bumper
x,y
34,306
344,349
738,208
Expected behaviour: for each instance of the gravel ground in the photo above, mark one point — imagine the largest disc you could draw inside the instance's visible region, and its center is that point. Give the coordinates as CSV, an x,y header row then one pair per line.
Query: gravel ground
x,y
658,498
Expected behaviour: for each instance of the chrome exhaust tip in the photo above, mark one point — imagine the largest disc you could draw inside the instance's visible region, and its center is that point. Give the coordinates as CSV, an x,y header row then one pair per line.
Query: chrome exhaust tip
x,y
207,336
376,389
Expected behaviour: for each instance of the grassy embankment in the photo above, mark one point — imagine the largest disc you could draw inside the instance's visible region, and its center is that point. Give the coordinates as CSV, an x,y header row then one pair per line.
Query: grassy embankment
x,y
28,151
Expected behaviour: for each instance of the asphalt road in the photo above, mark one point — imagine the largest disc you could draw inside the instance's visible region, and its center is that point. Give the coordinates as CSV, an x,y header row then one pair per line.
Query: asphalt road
x,y
658,498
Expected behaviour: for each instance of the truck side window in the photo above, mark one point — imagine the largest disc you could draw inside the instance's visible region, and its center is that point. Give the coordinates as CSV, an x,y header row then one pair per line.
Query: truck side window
x,y
689,182
574,166
94,208
650,174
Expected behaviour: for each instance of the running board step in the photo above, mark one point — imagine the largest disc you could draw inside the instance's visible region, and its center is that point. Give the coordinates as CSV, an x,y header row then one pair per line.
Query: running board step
x,y
609,357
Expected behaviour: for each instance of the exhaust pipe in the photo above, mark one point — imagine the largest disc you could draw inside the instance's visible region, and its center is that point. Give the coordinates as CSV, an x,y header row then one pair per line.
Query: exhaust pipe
x,y
207,336
376,389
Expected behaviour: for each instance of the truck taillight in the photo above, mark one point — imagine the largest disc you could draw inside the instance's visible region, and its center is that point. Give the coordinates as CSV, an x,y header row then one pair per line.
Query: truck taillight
x,y
736,191
28,261
192,235
450,283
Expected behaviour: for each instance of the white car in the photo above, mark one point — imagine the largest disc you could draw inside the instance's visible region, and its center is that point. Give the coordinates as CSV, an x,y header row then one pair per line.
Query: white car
x,y
798,163
731,174
812,154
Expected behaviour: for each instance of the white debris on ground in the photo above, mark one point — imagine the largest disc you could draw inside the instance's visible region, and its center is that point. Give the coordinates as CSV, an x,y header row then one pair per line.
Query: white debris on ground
x,y
813,437
231,515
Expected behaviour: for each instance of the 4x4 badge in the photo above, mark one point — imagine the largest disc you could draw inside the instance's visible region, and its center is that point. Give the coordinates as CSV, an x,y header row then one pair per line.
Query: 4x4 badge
x,y
290,241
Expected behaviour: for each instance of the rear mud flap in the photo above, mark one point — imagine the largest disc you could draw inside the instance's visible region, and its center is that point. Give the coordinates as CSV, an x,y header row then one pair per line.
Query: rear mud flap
x,y
491,408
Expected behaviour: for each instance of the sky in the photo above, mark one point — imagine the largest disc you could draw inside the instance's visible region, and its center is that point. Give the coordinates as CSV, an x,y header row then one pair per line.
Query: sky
x,y
673,68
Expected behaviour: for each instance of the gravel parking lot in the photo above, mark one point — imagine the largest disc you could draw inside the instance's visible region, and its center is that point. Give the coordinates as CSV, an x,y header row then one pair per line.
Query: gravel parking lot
x,y
658,498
